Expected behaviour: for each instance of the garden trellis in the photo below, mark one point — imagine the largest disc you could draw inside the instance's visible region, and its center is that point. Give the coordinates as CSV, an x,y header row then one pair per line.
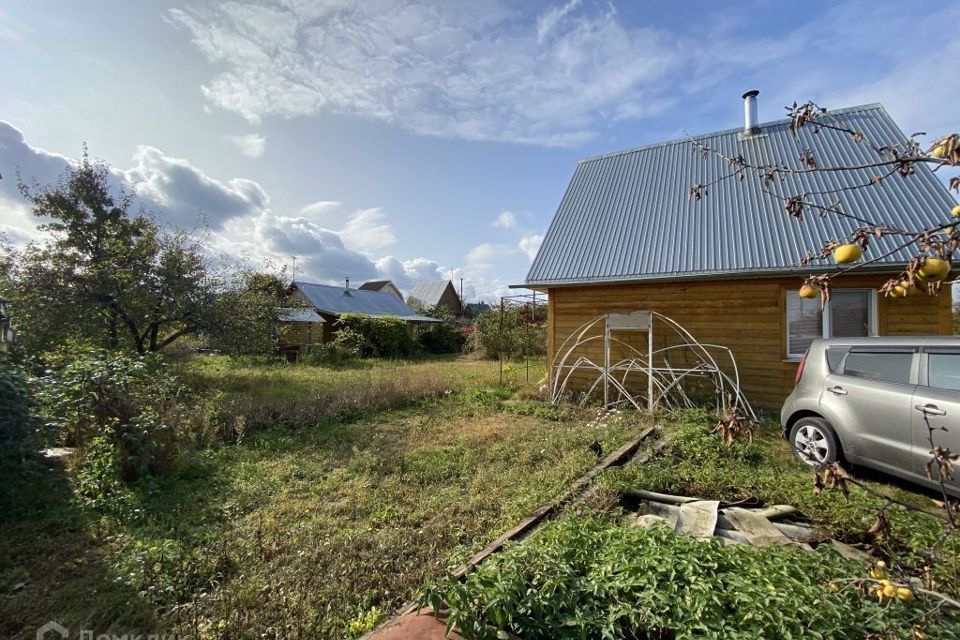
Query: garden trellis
x,y
666,369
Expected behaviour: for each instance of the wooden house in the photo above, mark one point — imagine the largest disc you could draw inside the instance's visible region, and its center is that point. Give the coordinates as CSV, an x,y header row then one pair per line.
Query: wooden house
x,y
330,302
430,295
627,237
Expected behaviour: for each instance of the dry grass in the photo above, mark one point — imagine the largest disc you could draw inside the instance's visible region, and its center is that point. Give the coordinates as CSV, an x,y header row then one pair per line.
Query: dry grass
x,y
320,520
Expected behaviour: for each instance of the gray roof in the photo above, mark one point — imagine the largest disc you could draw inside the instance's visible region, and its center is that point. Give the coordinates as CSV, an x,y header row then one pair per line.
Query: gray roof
x,y
429,293
626,216
375,285
299,315
335,300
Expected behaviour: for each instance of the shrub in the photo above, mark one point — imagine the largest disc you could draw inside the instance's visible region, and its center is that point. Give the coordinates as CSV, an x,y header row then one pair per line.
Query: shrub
x,y
443,337
515,336
333,353
121,399
589,577
380,337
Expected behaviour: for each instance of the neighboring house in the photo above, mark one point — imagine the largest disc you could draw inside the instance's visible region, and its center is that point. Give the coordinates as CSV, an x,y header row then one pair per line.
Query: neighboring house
x,y
299,331
383,286
330,302
627,237
428,295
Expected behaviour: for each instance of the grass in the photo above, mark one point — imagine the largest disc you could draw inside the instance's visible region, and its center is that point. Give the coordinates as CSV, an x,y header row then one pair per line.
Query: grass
x,y
695,463
348,489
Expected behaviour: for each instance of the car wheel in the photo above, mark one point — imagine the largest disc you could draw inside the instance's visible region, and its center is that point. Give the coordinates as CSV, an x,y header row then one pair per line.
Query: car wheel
x,y
814,441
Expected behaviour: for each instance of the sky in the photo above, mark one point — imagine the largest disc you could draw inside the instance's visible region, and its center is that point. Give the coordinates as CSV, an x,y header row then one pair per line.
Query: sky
x,y
416,140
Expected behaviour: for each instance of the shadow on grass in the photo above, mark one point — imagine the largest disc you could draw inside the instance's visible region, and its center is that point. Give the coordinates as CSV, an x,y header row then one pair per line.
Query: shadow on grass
x,y
53,560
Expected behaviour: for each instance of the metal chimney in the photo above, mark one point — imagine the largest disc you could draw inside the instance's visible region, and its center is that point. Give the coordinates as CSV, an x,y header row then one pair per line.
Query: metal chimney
x,y
750,120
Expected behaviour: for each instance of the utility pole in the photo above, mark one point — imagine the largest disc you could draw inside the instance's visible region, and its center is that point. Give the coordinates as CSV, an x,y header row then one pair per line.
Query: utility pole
x,y
461,297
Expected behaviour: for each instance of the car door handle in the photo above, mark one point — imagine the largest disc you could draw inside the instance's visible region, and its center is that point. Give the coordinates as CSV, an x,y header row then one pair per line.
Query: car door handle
x,y
837,391
930,409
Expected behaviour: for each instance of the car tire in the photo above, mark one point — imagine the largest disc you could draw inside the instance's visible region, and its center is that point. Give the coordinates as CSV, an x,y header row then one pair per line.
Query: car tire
x,y
814,442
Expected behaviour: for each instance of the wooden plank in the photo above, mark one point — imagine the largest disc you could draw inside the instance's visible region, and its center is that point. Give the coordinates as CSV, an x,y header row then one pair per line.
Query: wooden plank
x,y
529,524
698,519
760,531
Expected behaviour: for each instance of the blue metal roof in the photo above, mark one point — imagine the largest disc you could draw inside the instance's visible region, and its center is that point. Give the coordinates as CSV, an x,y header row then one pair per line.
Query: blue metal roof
x,y
626,216
337,300
299,315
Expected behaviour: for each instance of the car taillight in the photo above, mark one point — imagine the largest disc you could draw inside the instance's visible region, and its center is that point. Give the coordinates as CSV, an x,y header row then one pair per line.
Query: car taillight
x,y
803,361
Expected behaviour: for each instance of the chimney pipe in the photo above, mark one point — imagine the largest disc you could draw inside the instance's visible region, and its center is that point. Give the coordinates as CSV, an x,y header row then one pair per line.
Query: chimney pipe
x,y
750,126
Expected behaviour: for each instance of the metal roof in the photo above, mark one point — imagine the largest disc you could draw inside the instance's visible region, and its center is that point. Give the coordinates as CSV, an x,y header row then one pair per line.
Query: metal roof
x,y
626,216
428,294
336,300
375,285
299,315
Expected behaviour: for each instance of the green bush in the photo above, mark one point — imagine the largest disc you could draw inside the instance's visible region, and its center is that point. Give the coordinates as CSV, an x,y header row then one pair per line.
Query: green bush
x,y
587,576
334,353
512,337
443,337
128,401
378,337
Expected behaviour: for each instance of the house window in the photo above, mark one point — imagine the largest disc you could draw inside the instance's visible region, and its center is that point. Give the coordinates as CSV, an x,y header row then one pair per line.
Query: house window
x,y
851,313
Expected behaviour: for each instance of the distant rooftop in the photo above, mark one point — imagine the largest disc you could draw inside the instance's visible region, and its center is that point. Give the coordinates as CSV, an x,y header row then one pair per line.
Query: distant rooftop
x,y
299,315
429,294
336,300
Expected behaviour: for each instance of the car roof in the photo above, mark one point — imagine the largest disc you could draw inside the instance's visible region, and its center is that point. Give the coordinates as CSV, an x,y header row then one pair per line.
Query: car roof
x,y
878,341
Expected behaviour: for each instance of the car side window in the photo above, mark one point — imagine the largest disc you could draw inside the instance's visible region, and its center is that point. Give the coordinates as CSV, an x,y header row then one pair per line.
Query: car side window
x,y
885,367
835,357
943,371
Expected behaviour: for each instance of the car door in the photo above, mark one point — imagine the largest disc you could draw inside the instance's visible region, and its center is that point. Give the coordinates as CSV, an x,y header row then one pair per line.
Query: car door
x,y
936,404
868,402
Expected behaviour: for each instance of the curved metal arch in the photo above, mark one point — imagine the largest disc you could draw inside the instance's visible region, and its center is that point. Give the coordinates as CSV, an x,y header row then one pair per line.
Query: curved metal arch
x,y
666,382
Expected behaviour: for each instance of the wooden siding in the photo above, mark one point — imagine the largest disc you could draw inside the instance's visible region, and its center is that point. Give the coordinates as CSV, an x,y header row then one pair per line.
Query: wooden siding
x,y
746,315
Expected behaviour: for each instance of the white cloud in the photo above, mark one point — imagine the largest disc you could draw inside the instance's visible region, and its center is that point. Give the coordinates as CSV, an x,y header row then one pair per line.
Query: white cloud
x,y
251,145
530,244
329,242
367,230
455,68
492,71
505,220
548,20
183,194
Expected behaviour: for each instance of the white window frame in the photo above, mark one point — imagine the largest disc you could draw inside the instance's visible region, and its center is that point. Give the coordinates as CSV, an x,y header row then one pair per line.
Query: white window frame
x,y
826,329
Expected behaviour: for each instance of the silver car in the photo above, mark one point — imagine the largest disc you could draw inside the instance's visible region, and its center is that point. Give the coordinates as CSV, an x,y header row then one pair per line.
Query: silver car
x,y
874,401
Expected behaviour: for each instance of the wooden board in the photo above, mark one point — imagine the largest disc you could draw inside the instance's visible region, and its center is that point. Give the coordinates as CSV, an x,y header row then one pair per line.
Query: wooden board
x,y
698,519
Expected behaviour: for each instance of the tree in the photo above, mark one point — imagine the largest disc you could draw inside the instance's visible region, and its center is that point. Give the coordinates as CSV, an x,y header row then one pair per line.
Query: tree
x,y
107,275
244,318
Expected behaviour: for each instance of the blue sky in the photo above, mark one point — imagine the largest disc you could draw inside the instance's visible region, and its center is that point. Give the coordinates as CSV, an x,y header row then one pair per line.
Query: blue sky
x,y
419,140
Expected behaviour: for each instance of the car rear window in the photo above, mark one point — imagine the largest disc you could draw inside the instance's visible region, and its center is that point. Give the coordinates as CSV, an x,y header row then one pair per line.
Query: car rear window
x,y
943,371
885,367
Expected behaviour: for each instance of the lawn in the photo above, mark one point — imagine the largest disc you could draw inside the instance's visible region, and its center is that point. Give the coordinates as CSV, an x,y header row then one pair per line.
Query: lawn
x,y
343,492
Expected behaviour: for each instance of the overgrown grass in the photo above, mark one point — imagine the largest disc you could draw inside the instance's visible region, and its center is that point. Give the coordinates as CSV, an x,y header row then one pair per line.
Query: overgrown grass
x,y
318,521
587,576
696,463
